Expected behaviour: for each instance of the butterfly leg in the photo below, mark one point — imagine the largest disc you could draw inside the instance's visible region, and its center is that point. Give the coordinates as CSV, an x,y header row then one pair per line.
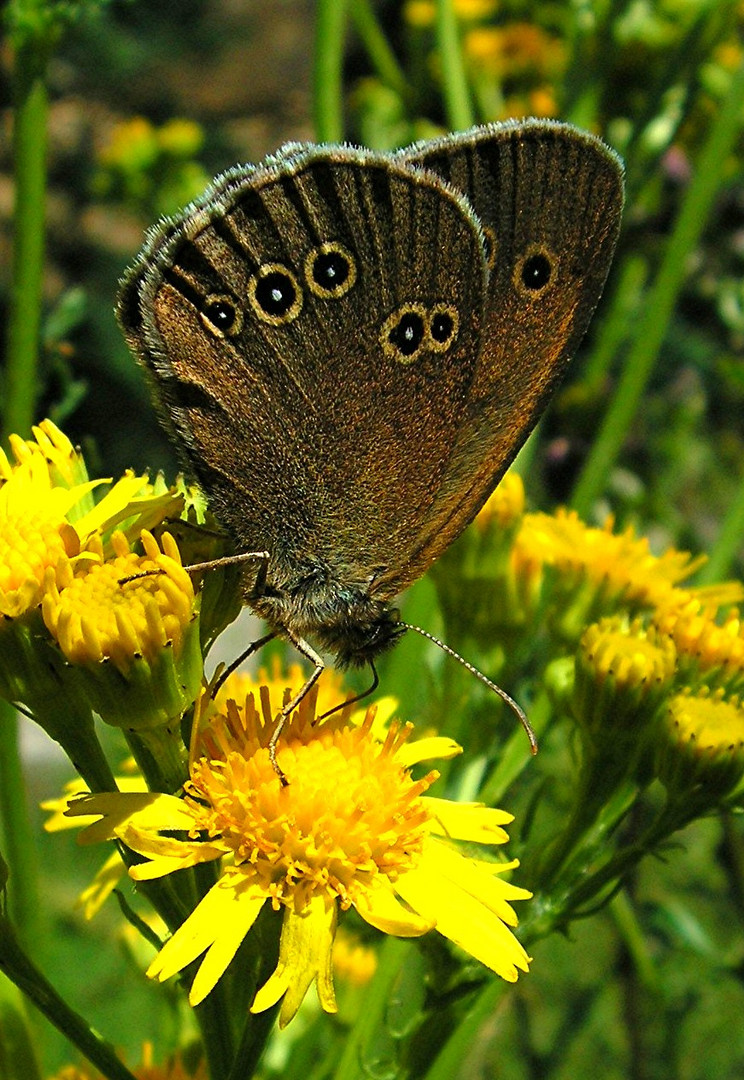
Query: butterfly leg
x,y
310,654
247,651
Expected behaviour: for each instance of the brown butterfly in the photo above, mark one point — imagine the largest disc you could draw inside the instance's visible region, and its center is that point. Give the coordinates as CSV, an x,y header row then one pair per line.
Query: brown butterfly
x,y
349,349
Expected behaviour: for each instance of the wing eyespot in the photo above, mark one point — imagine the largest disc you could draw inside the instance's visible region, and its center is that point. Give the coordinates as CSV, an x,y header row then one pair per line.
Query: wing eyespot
x,y
221,315
330,270
535,271
274,294
404,333
444,322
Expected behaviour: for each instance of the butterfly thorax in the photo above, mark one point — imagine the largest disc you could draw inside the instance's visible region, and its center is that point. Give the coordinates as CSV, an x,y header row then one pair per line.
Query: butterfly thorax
x,y
341,618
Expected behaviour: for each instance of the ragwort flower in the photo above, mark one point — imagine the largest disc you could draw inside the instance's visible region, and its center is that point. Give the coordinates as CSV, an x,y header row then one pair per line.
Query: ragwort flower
x,y
352,828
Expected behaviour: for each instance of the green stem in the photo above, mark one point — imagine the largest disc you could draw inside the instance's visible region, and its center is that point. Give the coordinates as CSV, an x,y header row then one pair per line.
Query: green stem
x,y
516,754
662,297
728,543
360,1040
161,757
24,321
330,28
457,103
454,1053
18,1059
616,323
628,927
382,56
19,840
21,970
24,317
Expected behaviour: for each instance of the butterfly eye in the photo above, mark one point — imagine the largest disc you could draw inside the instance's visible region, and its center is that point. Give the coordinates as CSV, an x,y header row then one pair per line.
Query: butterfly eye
x,y
330,270
403,333
222,316
534,272
274,294
443,327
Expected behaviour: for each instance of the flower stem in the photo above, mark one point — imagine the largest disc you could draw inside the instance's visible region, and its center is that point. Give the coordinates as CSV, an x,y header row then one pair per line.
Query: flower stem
x,y
660,301
382,56
18,1060
328,69
376,1003
30,174
454,1053
21,970
457,103
19,840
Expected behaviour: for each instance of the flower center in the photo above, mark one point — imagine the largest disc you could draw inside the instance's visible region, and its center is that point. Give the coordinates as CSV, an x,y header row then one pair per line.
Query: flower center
x,y
349,812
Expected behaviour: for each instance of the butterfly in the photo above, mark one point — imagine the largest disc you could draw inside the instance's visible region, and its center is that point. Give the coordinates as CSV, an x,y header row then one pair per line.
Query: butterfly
x,y
349,348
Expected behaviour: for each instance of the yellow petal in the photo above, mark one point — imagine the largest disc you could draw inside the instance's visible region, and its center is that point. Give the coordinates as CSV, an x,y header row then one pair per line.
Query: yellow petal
x,y
379,906
304,955
223,918
486,887
108,877
469,821
427,749
165,853
465,921
117,810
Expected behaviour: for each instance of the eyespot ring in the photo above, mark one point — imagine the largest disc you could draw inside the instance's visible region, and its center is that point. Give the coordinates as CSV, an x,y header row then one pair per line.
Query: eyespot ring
x,y
221,315
443,324
330,262
535,271
405,333
274,294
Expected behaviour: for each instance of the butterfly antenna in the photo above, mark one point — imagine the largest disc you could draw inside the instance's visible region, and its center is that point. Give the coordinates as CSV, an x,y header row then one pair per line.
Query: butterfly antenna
x,y
354,700
516,709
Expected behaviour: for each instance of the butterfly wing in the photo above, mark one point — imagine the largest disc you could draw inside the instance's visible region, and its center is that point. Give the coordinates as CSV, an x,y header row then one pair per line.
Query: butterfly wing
x,y
312,330
550,199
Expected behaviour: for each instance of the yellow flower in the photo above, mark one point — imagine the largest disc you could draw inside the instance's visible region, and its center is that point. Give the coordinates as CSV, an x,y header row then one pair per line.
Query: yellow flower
x,y
35,535
134,643
99,615
66,465
353,961
47,514
595,571
351,828
623,672
331,691
708,650
701,760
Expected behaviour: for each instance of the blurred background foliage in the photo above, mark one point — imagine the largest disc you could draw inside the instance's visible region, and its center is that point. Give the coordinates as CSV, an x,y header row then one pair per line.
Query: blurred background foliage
x,y
147,102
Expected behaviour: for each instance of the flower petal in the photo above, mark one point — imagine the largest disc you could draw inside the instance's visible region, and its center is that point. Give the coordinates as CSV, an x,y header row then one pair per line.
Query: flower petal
x,y
93,897
464,918
379,906
305,954
427,749
219,922
146,810
165,853
469,821
483,884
